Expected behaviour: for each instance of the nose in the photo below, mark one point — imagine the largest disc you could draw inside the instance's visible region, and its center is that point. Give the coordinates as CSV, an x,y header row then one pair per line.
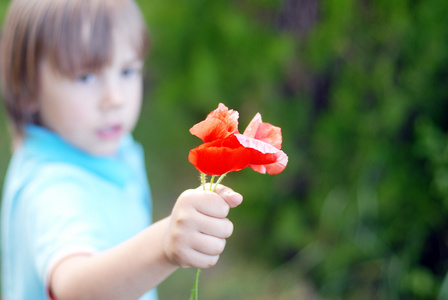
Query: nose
x,y
112,95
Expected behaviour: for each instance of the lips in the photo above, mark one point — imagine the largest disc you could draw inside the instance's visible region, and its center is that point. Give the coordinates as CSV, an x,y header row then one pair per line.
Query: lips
x,y
110,132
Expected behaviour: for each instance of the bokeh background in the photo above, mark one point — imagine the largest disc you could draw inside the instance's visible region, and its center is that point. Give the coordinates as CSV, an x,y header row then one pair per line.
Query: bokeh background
x,y
360,90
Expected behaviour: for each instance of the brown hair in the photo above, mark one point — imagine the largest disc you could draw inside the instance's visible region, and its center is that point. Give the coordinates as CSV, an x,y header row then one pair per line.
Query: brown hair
x,y
73,35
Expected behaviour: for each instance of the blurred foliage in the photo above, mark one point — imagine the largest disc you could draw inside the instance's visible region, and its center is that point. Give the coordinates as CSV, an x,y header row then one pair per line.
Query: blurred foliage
x,y
360,91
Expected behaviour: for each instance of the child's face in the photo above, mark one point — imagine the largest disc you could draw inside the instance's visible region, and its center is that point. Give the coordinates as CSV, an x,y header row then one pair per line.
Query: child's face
x,y
93,110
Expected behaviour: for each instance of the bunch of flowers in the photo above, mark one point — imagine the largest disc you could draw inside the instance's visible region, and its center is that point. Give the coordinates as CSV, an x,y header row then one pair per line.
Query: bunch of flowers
x,y
226,150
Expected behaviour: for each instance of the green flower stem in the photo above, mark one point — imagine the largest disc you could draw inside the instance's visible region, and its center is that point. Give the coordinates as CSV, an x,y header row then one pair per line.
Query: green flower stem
x,y
211,183
212,188
219,181
194,292
203,179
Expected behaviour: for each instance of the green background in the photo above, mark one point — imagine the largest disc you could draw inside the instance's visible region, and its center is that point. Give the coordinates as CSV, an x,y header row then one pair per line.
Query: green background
x,y
360,90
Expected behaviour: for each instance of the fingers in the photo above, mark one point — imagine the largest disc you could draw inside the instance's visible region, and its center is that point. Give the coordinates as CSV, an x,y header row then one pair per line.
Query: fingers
x,y
212,204
188,257
192,248
208,245
199,227
206,202
198,260
206,251
231,197
185,221
219,228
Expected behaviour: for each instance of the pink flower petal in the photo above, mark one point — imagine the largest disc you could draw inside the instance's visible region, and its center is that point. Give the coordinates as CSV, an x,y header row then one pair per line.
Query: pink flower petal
x,y
251,129
265,132
274,168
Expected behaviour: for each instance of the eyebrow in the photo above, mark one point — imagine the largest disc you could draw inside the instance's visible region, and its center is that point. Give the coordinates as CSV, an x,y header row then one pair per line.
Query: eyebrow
x,y
133,61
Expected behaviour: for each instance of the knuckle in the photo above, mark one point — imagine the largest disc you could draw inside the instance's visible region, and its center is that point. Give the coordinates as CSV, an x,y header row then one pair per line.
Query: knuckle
x,y
179,221
222,246
182,219
218,247
228,229
212,261
226,209
222,208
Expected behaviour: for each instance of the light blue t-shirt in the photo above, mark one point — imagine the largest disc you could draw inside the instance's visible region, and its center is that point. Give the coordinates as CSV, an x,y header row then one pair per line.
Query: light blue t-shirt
x,y
58,200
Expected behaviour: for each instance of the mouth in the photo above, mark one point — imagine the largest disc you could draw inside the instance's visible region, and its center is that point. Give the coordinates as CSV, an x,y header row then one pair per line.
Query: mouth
x,y
110,132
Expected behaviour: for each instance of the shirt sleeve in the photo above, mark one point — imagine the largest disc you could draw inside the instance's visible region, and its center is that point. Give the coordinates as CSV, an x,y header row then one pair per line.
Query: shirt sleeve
x,y
60,222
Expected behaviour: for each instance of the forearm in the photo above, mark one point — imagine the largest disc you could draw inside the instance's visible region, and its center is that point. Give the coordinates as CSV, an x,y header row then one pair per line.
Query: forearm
x,y
126,271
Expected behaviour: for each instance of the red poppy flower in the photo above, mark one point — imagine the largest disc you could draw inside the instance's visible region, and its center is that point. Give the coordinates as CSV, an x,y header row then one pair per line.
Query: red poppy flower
x,y
227,155
219,124
266,138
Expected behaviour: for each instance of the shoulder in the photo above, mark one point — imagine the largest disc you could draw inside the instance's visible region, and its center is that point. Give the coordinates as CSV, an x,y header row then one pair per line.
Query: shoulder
x,y
56,173
30,176
55,185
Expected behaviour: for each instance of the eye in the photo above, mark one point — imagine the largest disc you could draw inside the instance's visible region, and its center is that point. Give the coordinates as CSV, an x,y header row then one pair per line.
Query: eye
x,y
130,72
127,72
86,78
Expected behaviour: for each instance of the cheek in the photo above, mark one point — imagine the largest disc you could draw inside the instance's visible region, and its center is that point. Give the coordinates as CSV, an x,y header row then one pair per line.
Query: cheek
x,y
135,99
134,114
64,114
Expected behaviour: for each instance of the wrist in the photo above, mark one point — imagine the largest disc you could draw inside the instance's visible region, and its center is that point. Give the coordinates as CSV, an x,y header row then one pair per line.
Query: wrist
x,y
168,252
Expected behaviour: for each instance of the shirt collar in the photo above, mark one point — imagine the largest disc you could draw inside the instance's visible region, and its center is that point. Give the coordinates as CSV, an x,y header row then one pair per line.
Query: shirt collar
x,y
50,147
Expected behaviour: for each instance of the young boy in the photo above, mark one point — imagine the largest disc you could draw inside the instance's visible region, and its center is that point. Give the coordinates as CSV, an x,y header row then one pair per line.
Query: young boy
x,y
76,205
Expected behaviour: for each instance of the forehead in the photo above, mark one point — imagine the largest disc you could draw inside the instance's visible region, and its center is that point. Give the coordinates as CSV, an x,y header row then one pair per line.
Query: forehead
x,y
122,51
90,34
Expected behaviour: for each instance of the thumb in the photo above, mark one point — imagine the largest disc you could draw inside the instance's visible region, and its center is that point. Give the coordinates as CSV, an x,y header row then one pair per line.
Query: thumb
x,y
231,197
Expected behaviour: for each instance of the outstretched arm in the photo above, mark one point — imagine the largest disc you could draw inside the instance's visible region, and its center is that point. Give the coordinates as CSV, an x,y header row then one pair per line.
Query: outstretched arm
x,y
193,235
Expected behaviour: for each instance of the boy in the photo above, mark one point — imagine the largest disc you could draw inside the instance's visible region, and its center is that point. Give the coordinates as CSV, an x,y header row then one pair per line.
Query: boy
x,y
76,205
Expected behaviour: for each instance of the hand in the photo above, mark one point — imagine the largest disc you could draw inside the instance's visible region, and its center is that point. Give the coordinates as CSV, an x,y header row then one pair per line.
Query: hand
x,y
198,226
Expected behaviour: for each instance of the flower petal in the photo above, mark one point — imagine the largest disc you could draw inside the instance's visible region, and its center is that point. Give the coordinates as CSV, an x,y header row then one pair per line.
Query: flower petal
x,y
219,124
251,129
281,159
265,132
227,155
278,166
